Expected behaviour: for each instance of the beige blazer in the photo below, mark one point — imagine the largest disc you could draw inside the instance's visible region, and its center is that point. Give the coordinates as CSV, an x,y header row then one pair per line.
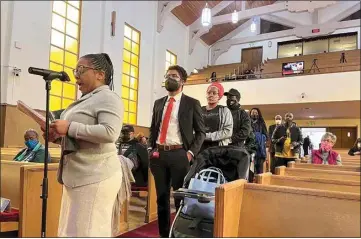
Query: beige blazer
x,y
95,124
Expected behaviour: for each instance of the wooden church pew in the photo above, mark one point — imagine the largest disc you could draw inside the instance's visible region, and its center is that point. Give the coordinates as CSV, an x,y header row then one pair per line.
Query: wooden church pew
x,y
312,183
314,173
252,210
293,164
21,183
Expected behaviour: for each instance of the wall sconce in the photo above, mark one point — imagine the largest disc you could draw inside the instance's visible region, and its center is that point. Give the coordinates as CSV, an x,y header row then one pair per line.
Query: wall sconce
x,y
348,134
114,16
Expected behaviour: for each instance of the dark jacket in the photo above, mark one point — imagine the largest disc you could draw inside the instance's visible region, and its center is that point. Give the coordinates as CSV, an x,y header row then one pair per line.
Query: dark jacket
x,y
241,126
271,129
190,119
251,144
141,173
353,150
296,136
38,156
306,142
232,160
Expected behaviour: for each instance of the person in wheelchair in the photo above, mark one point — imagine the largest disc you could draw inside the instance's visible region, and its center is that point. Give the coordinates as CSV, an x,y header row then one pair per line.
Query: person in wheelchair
x,y
131,148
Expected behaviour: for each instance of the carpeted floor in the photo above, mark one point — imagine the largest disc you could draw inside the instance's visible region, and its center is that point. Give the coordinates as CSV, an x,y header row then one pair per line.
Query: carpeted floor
x,y
137,227
149,230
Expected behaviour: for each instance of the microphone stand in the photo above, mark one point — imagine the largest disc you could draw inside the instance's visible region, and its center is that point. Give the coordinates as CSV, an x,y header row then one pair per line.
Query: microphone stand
x,y
44,191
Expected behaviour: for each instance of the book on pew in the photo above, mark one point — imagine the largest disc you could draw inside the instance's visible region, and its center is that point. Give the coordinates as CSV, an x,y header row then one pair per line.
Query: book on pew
x,y
36,116
5,205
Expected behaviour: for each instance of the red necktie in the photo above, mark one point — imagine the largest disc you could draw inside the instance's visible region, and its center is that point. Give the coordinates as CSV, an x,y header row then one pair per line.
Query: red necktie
x,y
165,124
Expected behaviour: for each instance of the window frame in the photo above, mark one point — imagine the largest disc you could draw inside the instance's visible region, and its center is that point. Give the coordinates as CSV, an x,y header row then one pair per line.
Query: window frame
x,y
129,75
63,65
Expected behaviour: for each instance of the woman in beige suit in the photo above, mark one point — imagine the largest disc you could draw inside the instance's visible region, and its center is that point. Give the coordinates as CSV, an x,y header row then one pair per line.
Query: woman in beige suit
x,y
90,170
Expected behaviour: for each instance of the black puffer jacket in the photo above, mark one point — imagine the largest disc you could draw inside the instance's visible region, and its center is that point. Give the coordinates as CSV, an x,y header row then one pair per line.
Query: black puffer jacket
x,y
232,160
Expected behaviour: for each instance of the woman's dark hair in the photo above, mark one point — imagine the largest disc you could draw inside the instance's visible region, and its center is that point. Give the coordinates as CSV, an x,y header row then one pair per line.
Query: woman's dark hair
x,y
182,73
102,62
260,117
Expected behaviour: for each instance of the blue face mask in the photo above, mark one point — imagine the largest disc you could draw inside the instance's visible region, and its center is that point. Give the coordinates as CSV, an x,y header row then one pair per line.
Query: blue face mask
x,y
31,143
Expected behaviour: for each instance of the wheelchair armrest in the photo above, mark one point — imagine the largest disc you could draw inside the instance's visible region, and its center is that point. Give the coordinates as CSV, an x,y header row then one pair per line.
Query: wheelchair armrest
x,y
203,197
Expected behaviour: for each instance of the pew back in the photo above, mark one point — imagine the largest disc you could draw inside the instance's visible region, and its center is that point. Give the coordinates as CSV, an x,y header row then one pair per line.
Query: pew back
x,y
275,211
312,183
293,164
10,181
314,173
31,203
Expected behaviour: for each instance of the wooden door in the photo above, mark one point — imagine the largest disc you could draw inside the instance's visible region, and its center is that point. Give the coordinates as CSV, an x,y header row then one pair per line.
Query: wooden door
x,y
252,56
338,133
346,136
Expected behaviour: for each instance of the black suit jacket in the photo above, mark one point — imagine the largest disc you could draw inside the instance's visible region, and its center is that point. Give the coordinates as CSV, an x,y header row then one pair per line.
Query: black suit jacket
x,y
190,119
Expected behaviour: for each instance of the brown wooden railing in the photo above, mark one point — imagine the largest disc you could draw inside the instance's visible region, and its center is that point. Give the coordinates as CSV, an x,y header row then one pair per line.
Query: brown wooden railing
x,y
256,76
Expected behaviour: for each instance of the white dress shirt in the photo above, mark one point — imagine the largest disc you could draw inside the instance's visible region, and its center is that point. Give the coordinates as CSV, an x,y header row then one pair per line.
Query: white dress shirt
x,y
173,133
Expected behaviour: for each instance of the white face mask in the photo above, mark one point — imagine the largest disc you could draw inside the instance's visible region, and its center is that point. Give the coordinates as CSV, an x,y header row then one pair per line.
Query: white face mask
x,y
359,145
278,121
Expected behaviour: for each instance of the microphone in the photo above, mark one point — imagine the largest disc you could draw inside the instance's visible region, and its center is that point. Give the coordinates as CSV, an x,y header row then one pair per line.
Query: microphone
x,y
49,74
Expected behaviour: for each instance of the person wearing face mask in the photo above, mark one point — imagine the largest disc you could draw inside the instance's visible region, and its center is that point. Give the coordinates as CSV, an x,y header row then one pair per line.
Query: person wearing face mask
x,y
260,130
271,129
325,154
287,139
241,120
218,119
34,151
176,135
356,149
131,148
89,170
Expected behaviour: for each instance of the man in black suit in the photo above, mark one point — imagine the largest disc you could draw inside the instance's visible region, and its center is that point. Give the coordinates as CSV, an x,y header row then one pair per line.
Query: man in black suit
x,y
172,142
271,129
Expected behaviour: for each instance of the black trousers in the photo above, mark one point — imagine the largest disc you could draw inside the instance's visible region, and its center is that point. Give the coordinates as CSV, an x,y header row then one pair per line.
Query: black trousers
x,y
258,165
305,150
282,161
273,162
168,170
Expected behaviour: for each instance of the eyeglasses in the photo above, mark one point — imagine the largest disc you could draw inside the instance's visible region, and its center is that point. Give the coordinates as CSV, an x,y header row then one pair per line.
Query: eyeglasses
x,y
81,70
174,76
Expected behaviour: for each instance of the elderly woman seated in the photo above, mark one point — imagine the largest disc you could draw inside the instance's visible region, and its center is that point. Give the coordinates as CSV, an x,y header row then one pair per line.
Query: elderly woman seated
x,y
34,151
325,154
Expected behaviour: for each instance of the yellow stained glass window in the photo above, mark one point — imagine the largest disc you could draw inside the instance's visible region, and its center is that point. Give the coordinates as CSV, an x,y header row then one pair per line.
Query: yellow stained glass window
x,y
64,50
130,76
170,59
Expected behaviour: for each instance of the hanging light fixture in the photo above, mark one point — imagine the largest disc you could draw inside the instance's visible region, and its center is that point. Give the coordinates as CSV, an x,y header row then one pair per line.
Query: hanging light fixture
x,y
253,26
206,16
235,14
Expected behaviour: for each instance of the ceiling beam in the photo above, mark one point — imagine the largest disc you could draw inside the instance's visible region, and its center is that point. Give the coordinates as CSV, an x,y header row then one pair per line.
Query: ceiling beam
x,y
302,32
259,11
279,20
315,17
195,35
346,12
214,11
164,9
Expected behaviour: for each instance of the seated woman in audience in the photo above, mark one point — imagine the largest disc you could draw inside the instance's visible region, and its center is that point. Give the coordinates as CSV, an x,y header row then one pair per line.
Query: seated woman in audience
x,y
34,151
325,155
218,119
356,149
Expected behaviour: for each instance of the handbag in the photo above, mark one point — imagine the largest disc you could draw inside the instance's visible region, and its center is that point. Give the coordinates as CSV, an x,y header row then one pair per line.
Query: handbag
x,y
206,181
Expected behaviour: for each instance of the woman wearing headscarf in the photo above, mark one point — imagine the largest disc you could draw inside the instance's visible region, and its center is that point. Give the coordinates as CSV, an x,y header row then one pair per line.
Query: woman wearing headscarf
x,y
90,170
218,119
